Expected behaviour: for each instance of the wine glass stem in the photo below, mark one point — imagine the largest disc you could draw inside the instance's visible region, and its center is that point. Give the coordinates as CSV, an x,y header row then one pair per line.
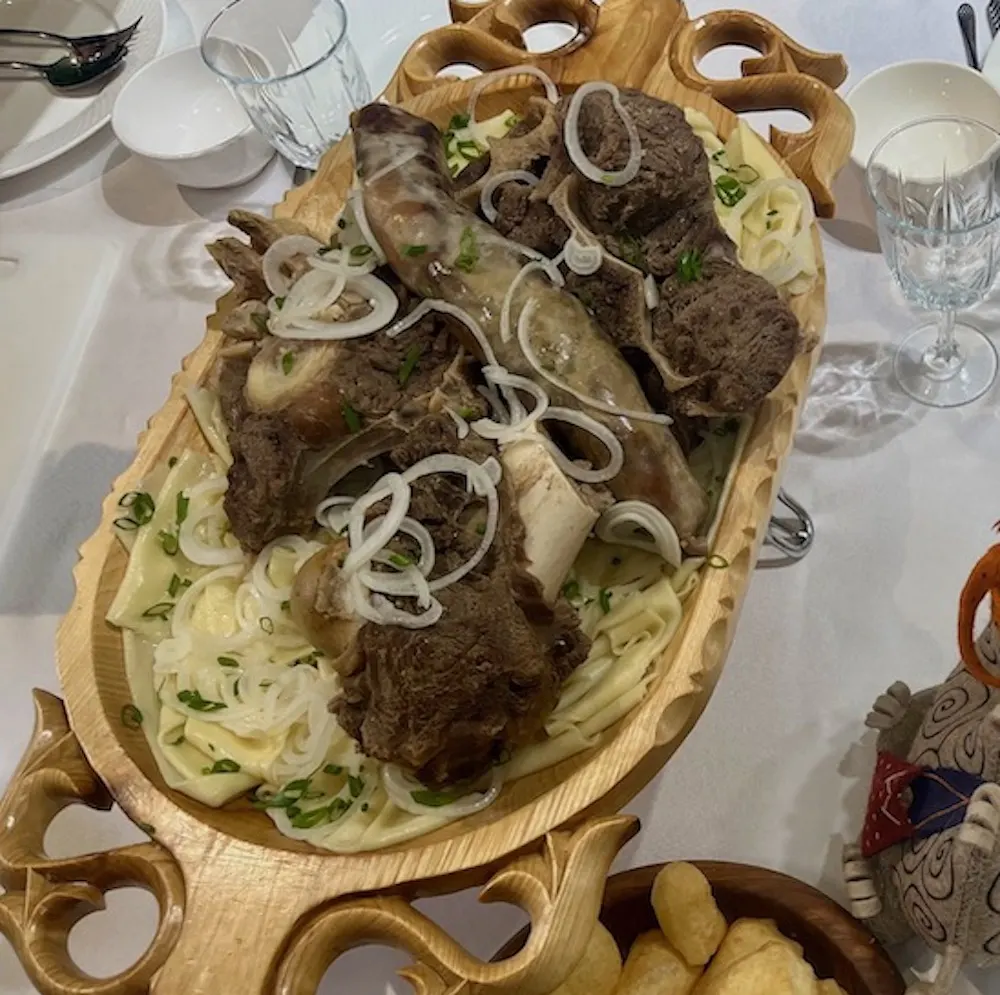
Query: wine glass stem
x,y
944,359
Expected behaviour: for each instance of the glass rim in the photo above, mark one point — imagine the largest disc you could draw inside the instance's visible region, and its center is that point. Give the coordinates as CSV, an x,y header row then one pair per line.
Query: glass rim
x,y
254,81
899,129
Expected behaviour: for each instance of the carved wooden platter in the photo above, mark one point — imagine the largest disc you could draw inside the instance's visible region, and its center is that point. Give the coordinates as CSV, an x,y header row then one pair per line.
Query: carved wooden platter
x,y
244,909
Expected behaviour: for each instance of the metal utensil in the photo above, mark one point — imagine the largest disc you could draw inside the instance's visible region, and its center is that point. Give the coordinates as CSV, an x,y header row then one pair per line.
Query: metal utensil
x,y
993,16
967,25
87,47
793,536
70,71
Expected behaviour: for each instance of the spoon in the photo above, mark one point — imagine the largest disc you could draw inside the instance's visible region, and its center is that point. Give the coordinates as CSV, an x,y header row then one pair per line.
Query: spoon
x,y
87,47
70,71
967,25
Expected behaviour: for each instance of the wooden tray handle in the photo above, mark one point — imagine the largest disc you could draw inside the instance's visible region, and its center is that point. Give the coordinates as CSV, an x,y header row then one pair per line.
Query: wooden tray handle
x,y
560,885
786,76
625,33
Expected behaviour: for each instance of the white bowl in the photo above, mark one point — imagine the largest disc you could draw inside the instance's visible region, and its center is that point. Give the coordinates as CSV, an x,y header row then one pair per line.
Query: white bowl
x,y
907,91
176,113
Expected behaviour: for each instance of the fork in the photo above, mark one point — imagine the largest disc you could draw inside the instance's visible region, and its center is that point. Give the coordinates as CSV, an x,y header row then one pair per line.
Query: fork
x,y
70,71
993,16
86,47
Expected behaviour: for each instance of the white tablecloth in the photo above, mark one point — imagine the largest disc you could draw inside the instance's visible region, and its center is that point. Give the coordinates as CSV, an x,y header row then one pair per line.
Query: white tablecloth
x,y
776,771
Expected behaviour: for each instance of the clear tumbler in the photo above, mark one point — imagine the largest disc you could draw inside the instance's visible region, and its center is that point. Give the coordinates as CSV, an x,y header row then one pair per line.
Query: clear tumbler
x,y
292,66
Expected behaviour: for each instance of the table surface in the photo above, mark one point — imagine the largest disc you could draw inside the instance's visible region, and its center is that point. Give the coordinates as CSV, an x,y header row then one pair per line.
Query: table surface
x,y
776,771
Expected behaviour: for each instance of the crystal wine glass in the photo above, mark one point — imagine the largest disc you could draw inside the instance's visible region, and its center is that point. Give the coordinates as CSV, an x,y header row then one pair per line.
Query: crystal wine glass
x,y
934,185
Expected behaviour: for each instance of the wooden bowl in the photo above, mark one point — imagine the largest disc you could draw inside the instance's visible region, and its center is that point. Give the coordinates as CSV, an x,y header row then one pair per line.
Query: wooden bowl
x,y
835,943
214,866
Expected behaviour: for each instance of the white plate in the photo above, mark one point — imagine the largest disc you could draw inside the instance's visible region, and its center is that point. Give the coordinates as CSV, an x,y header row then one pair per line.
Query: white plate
x,y
991,64
37,123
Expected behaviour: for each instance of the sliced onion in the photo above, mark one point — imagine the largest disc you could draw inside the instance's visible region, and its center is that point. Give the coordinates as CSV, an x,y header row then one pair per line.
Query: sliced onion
x,y
180,620
762,188
329,518
593,402
391,167
357,200
640,526
652,292
387,583
425,307
280,253
399,786
364,548
571,135
383,302
489,188
582,257
259,571
502,432
460,423
203,553
534,266
339,261
392,615
551,90
616,454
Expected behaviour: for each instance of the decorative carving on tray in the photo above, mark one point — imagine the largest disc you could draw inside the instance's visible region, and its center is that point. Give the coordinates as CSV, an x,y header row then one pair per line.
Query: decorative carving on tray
x,y
45,898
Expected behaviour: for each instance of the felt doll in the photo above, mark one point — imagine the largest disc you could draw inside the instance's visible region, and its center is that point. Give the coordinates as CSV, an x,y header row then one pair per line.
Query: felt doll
x,y
928,861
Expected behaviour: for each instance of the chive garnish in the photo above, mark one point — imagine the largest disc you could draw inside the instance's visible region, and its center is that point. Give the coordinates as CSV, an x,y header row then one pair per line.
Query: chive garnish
x,y
287,362
260,320
335,770
314,817
351,417
160,610
468,251
224,766
131,716
689,266
469,149
398,560
141,508
197,703
169,542
355,785
605,599
467,413
433,799
174,586
279,302
745,174
729,190
360,251
409,364
172,462
267,624
183,502
414,250
341,224
631,251
228,661
458,122
571,590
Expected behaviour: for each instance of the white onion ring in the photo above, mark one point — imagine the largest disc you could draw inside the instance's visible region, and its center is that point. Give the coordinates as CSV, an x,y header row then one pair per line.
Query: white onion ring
x,y
383,302
399,787
621,522
583,258
390,167
593,402
339,261
652,292
180,620
551,90
489,188
501,432
432,304
202,553
461,425
508,300
357,201
325,513
571,135
616,454
279,253
364,548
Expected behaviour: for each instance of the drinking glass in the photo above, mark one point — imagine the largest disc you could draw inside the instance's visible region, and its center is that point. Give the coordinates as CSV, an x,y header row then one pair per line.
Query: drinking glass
x,y
292,66
934,185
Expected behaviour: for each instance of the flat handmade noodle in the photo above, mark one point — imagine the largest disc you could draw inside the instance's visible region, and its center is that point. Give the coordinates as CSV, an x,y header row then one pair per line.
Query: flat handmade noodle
x,y
442,251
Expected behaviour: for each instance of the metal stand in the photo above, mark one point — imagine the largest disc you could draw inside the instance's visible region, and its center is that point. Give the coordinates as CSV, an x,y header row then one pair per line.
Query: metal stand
x,y
791,535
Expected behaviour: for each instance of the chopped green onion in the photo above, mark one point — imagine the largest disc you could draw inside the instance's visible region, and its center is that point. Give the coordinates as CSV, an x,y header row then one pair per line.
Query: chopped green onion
x,y
260,320
481,529
160,610
224,766
571,590
306,661
745,174
131,717
352,418
267,624
286,606
409,364
468,251
341,223
174,586
279,302
511,121
717,562
729,190
398,560
632,252
228,661
719,156
467,413
414,250
172,462
458,122
314,817
126,524
355,785
177,741
183,501
196,703
434,799
169,542
605,599
360,251
689,266
771,213
364,807
140,504
287,362
335,770
469,150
